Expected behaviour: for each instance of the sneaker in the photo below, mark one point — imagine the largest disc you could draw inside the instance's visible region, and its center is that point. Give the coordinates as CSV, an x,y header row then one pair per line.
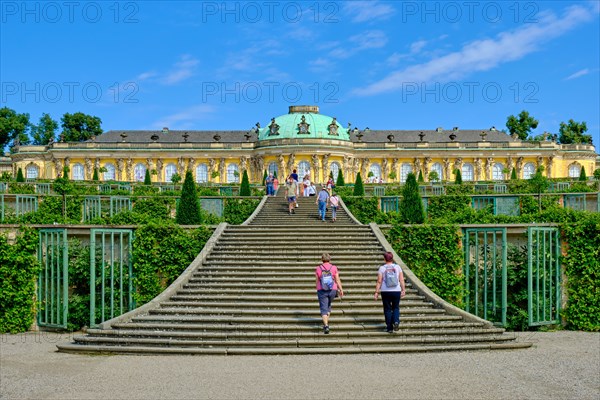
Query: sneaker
x,y
326,329
396,326
390,331
296,205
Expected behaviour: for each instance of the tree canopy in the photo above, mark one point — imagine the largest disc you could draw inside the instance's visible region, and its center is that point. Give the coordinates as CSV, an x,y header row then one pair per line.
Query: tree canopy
x,y
12,126
573,132
79,127
44,130
521,125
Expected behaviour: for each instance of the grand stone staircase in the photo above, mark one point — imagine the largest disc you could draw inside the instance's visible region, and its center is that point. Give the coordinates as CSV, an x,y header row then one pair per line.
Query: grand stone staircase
x,y
252,291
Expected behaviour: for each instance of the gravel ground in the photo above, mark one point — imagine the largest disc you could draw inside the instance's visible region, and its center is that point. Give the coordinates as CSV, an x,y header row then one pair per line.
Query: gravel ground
x,y
560,365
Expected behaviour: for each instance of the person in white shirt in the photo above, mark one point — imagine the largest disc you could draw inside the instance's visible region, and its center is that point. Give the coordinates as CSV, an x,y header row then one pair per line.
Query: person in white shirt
x,y
390,283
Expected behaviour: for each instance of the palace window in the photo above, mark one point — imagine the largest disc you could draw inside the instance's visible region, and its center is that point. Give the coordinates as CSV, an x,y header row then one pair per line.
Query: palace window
x,y
528,170
335,170
467,172
273,169
233,175
437,167
574,171
78,173
202,173
375,171
304,169
405,169
497,173
32,172
170,170
139,172
110,173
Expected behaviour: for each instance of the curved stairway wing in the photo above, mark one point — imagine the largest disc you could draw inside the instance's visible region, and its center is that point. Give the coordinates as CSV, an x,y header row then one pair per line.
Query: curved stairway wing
x,y
252,291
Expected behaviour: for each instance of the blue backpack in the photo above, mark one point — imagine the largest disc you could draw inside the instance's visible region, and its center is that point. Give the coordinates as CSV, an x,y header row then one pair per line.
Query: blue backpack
x,y
391,277
326,278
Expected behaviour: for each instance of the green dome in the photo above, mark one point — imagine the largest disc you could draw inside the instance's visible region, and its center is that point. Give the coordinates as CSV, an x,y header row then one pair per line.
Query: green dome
x,y
303,122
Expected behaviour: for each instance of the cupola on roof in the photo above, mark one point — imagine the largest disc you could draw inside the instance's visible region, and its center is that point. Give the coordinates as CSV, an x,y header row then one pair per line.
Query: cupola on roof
x,y
303,122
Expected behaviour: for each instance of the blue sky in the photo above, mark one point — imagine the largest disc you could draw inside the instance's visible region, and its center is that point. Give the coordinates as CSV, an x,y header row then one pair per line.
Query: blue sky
x,y
228,65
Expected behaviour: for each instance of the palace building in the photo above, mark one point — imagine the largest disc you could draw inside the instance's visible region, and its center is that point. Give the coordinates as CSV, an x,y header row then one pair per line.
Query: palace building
x,y
310,142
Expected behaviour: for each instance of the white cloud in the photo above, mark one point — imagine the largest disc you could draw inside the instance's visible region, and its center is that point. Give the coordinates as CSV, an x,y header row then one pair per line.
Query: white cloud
x,y
578,74
368,11
186,118
146,75
369,40
483,55
182,70
417,46
363,41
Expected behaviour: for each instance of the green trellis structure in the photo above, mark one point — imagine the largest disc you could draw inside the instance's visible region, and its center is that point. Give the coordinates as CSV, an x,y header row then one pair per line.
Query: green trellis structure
x,y
111,274
543,289
53,279
485,273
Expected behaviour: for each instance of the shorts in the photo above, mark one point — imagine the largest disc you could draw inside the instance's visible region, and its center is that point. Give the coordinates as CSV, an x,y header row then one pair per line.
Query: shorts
x,y
291,199
325,299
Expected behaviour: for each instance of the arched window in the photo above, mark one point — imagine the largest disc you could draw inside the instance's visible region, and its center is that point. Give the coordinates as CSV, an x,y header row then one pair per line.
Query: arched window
x,y
273,169
405,169
77,172
528,170
202,173
32,172
139,172
110,173
437,167
170,170
375,169
497,173
467,172
335,170
304,169
574,171
233,175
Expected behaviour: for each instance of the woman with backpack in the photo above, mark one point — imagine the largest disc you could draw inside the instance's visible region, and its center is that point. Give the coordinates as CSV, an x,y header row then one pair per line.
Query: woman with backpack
x,y
328,287
390,283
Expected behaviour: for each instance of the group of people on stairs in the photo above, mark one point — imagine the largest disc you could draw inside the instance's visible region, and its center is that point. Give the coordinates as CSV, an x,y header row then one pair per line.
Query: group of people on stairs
x,y
390,285
324,198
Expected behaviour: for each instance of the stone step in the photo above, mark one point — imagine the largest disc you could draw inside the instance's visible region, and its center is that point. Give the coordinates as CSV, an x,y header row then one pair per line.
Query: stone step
x,y
370,305
200,288
232,272
336,312
216,298
386,348
283,330
226,279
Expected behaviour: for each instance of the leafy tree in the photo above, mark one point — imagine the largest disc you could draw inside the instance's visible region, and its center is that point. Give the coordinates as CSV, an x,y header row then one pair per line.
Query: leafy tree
x,y
44,130
95,176
339,182
392,175
434,176
521,124
63,186
458,177
411,207
245,185
176,178
540,184
359,189
20,177
421,180
582,175
597,174
79,127
573,132
147,179
188,209
513,175
12,126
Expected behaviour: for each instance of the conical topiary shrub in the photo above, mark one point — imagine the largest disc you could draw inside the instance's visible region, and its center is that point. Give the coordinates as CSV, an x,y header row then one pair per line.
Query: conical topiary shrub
x,y
340,179
264,177
147,180
513,175
95,176
359,189
245,185
188,209
20,177
582,175
421,180
411,207
457,177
